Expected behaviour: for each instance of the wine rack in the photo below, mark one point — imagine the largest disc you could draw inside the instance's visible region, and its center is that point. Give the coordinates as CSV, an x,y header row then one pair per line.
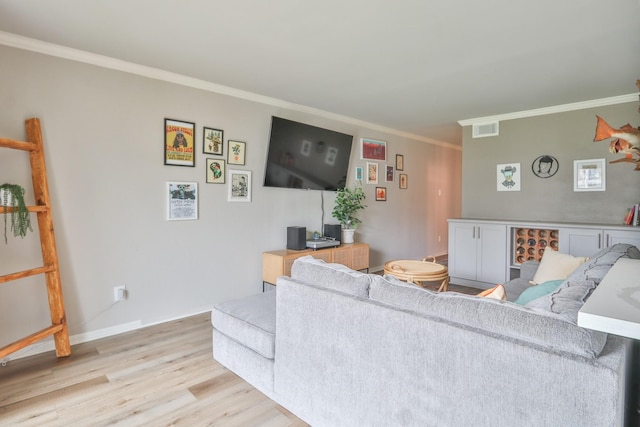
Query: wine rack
x,y
529,243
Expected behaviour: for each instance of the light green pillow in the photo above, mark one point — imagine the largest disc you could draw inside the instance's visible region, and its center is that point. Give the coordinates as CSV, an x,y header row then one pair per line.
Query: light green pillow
x,y
537,291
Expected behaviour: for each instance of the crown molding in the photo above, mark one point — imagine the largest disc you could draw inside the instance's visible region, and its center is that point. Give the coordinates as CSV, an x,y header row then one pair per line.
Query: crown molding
x,y
51,49
632,97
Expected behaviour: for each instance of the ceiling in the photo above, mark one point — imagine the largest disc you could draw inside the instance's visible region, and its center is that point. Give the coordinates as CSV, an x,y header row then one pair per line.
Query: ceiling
x,y
415,66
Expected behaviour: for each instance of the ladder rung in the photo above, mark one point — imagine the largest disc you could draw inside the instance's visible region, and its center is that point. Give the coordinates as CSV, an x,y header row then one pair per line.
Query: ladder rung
x,y
25,273
20,145
35,208
26,341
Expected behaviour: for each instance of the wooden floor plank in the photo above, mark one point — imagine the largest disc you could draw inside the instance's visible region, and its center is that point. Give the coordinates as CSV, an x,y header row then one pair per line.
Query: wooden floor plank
x,y
163,375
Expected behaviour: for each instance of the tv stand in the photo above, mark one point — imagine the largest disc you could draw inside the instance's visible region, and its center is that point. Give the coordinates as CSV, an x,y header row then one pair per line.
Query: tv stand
x,y
278,263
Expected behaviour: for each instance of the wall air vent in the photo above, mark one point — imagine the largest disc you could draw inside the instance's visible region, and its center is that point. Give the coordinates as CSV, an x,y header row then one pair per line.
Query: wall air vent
x,y
480,130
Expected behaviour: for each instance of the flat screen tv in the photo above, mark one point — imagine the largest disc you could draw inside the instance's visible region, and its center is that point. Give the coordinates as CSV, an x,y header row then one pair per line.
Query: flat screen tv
x,y
306,157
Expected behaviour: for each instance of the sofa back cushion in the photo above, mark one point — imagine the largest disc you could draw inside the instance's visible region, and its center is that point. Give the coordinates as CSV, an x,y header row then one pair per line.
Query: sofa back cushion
x,y
333,276
540,328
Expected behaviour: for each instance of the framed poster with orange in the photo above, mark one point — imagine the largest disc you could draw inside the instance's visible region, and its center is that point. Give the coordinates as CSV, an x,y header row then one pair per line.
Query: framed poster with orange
x,y
179,143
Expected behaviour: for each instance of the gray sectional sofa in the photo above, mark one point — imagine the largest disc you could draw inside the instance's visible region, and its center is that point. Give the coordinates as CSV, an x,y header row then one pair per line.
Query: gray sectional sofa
x,y
342,348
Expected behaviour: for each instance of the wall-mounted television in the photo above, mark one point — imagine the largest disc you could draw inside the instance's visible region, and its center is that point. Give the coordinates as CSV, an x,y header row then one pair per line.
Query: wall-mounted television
x,y
306,157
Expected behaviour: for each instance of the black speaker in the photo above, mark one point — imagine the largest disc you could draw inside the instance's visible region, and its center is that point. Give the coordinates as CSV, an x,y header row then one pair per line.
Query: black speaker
x,y
333,230
296,238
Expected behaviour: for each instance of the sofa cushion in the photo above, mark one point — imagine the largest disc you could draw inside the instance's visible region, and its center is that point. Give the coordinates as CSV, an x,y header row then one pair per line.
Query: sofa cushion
x,y
317,272
555,265
250,321
500,318
600,263
567,299
537,291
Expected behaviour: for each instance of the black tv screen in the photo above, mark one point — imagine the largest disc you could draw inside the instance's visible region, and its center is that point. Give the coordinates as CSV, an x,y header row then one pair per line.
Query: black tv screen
x,y
306,157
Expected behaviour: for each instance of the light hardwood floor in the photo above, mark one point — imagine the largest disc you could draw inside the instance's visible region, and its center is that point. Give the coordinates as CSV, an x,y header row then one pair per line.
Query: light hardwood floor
x,y
163,375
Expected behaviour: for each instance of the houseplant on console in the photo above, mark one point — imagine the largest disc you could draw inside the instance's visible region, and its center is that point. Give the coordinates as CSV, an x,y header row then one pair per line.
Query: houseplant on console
x,y
12,198
348,203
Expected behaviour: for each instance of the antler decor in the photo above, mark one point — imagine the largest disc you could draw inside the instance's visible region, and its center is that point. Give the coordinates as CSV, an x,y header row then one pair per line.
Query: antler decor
x,y
627,139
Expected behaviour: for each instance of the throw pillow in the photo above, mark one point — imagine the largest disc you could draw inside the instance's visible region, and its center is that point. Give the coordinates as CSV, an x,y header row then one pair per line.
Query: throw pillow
x,y
538,291
497,292
555,266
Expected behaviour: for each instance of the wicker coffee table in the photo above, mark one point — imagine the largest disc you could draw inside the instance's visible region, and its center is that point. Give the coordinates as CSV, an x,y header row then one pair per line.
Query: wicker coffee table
x,y
419,272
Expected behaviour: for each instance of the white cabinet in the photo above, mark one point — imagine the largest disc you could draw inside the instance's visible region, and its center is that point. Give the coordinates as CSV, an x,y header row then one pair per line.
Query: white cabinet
x,y
588,241
477,252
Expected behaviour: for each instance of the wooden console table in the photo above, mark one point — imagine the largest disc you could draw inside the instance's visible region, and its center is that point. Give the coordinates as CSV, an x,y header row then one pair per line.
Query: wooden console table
x,y
278,263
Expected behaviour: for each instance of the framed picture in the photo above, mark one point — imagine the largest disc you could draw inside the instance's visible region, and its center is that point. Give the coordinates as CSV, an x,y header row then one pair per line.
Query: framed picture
x,y
389,174
372,173
381,194
372,149
403,181
399,162
179,143
332,155
239,186
358,173
236,153
589,175
305,150
182,201
508,177
215,171
212,141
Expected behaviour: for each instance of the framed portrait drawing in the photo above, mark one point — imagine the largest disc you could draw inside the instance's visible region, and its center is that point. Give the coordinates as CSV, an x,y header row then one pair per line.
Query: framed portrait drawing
x,y
215,171
212,141
403,181
399,162
589,175
179,143
372,149
508,177
182,201
389,174
381,194
239,186
372,173
236,154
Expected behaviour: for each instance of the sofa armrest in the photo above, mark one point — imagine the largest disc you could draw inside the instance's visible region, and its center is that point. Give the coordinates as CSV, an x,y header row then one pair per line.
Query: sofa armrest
x,y
528,269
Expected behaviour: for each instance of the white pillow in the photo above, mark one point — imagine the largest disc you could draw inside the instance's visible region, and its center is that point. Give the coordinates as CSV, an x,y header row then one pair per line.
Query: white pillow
x,y
556,266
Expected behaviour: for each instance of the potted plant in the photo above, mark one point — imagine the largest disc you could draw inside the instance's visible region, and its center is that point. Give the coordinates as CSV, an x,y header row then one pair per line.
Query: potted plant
x,y
348,203
12,196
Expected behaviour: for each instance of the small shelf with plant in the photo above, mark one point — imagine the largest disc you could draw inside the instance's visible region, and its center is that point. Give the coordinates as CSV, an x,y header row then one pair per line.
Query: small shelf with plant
x,y
347,206
15,208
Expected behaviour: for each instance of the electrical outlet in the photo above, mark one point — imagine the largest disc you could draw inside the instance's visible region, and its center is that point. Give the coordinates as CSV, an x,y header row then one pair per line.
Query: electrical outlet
x,y
119,293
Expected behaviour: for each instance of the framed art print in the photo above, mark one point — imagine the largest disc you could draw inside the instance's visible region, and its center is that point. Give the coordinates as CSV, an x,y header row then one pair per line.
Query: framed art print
x,y
212,141
236,153
399,162
403,181
389,174
372,173
508,177
182,201
215,171
239,186
372,149
589,175
359,173
179,143
381,194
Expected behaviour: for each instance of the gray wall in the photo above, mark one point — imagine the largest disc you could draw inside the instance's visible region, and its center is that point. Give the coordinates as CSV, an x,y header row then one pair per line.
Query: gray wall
x,y
567,136
103,133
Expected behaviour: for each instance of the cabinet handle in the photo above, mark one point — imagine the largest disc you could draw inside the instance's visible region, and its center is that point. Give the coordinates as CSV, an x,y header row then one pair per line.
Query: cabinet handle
x,y
607,241
474,232
478,232
599,240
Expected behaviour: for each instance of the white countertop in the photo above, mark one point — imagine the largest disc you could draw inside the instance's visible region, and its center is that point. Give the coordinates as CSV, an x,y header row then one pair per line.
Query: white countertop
x,y
614,306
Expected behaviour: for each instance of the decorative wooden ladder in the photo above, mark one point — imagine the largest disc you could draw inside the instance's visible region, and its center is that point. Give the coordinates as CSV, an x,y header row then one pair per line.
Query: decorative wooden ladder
x,y
50,269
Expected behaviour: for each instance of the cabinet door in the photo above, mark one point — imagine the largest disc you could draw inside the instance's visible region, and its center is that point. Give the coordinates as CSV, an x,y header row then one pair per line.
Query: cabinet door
x,y
492,253
622,236
580,241
463,250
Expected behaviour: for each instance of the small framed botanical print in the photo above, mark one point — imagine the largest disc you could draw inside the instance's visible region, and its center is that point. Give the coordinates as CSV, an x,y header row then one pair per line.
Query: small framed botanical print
x,y
212,141
403,181
236,154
